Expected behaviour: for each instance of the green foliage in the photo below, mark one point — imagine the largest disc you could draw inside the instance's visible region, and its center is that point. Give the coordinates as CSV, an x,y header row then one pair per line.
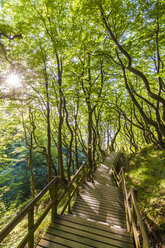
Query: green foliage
x,y
74,38
15,179
146,173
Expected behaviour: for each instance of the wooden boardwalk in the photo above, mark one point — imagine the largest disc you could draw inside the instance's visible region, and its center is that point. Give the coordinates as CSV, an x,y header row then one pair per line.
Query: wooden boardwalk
x,y
97,219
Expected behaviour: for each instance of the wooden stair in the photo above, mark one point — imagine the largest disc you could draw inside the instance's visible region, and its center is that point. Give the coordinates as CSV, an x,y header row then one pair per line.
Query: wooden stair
x,y
97,219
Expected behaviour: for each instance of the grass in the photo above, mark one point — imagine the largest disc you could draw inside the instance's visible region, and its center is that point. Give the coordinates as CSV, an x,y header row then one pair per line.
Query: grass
x,y
146,173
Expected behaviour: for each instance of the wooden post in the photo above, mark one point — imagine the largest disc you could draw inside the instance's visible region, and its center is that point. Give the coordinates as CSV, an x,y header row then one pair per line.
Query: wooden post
x,y
146,242
77,181
54,196
92,176
134,224
31,228
69,192
134,213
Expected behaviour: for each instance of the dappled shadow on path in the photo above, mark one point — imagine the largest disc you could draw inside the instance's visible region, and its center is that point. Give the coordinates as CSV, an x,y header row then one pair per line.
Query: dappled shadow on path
x,y
102,200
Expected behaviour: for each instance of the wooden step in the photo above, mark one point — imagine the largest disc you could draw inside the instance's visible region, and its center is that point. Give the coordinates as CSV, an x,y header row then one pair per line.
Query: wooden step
x,y
94,224
108,198
102,189
73,231
98,218
100,207
99,202
101,219
100,211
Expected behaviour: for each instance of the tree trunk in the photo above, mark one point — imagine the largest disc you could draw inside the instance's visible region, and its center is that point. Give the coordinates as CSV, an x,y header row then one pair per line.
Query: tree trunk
x,y
90,161
49,156
32,187
71,141
60,109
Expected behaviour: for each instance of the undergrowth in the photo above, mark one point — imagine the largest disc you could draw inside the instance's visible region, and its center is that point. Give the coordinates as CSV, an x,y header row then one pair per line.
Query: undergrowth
x,y
145,172
14,238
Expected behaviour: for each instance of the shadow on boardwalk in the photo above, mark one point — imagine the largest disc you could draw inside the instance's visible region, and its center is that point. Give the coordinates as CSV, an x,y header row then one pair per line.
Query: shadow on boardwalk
x,y
98,216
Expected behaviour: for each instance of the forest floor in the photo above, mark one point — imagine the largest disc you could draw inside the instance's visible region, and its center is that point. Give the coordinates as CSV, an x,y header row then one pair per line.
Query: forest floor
x,y
145,171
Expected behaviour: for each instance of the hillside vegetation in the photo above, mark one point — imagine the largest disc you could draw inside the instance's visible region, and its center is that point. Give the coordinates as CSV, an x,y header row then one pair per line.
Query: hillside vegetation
x,y
146,173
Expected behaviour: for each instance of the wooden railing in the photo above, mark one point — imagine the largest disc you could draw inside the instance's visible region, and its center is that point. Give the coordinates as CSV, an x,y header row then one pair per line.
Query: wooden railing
x,y
55,197
133,217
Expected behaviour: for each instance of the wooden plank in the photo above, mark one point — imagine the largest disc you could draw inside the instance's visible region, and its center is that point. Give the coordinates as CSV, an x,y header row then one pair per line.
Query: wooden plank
x,y
96,202
52,241
77,239
105,197
107,192
100,188
96,208
86,237
99,200
103,189
93,224
103,182
104,218
47,243
101,208
107,220
114,215
91,229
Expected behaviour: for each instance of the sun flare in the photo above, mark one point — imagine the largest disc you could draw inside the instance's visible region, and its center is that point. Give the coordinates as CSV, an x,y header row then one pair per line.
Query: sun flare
x,y
13,80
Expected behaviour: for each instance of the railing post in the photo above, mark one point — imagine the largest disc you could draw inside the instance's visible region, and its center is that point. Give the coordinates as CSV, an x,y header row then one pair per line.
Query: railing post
x,y
54,196
77,181
31,228
85,171
91,176
69,192
134,222
134,213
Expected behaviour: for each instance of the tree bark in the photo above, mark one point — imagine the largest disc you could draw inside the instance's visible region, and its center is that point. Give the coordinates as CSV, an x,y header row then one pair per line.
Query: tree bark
x,y
61,119
49,155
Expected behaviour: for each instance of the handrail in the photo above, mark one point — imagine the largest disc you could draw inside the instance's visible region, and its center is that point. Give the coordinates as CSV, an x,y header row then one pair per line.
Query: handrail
x,y
55,199
133,215
25,210
140,220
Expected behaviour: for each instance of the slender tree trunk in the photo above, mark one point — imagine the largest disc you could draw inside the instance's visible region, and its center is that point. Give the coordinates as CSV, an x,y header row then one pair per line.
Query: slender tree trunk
x,y
30,145
49,155
71,141
112,144
90,161
75,138
32,187
76,151
60,156
94,146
